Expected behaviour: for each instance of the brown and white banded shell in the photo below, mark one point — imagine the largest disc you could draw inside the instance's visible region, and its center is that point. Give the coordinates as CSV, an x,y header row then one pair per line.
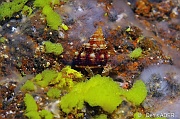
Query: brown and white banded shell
x,y
92,54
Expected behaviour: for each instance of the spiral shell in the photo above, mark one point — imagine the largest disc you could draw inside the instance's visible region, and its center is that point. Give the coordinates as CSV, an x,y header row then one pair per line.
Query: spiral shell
x,y
92,54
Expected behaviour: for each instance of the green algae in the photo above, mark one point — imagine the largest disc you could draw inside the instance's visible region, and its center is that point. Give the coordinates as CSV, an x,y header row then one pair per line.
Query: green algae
x,y
137,93
55,48
97,91
53,19
44,78
7,9
26,10
28,86
30,103
33,115
65,78
32,109
62,79
46,114
103,92
136,53
54,93
101,116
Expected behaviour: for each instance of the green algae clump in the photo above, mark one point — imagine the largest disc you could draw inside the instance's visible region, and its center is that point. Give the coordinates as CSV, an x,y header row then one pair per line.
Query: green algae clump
x,y
46,114
30,103
44,78
2,40
53,93
98,91
71,73
55,48
32,109
61,81
53,19
41,3
103,92
101,116
27,10
66,78
74,99
7,9
136,53
28,86
65,27
33,115
137,93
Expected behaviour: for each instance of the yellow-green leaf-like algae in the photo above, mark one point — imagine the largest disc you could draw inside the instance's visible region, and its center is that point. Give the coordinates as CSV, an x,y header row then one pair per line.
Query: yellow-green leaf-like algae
x,y
32,109
101,116
136,53
33,115
7,9
26,10
65,78
98,91
44,78
137,93
55,48
46,114
53,93
28,86
58,79
53,19
30,103
103,92
71,73
65,27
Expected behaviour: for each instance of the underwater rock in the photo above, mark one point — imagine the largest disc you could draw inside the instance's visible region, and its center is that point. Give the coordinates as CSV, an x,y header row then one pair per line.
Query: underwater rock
x,y
161,80
163,85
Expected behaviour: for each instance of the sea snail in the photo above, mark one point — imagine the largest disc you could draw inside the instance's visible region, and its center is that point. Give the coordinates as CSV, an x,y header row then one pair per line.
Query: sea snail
x,y
93,54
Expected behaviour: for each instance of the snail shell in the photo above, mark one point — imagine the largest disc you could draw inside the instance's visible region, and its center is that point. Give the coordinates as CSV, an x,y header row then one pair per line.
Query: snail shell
x,y
92,54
